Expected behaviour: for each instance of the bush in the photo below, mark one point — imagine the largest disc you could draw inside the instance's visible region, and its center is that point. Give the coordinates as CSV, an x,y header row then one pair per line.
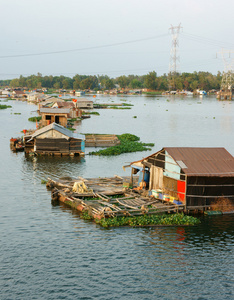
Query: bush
x,y
34,119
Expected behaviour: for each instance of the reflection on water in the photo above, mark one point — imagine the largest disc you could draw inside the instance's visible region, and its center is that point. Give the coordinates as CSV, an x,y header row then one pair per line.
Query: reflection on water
x,y
48,252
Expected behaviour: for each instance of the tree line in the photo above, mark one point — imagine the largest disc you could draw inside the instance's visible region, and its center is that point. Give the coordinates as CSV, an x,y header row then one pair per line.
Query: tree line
x,y
187,81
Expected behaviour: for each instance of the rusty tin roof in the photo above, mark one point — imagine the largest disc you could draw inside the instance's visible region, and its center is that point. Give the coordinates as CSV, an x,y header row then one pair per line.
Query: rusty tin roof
x,y
203,161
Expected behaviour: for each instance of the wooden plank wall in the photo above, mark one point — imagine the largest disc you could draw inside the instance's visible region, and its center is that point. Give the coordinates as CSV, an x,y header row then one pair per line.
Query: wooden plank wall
x,y
52,145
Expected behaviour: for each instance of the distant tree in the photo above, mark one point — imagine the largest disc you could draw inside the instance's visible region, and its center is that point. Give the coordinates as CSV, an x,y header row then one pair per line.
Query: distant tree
x,y
57,85
150,81
123,81
135,84
109,84
14,83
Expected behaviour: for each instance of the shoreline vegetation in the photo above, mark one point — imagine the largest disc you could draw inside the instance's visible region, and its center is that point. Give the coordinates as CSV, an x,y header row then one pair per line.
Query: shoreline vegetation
x,y
177,219
128,143
151,81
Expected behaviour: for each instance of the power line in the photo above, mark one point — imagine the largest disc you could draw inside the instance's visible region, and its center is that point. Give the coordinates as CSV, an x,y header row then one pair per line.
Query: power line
x,y
82,49
201,39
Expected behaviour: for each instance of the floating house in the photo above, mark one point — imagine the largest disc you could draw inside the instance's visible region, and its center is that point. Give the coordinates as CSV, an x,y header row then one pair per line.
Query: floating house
x,y
194,177
84,103
51,115
59,112
54,139
79,93
18,94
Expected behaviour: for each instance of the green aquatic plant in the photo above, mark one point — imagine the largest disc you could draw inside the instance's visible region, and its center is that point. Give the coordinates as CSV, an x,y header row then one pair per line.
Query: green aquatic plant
x,y
128,143
91,113
147,220
34,119
3,106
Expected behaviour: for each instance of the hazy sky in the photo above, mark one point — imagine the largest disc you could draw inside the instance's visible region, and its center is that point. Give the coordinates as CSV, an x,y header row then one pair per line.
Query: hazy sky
x,y
112,37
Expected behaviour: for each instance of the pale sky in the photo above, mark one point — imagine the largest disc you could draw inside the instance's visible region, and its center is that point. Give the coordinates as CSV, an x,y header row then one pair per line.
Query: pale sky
x,y
112,37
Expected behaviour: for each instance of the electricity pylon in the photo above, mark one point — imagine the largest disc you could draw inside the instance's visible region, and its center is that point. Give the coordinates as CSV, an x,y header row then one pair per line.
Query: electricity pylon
x,y
174,57
227,83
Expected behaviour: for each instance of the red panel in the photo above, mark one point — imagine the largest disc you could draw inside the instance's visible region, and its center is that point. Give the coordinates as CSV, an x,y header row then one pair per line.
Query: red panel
x,y
181,190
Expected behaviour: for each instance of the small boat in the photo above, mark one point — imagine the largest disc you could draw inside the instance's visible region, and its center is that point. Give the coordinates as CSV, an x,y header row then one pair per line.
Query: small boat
x,y
17,144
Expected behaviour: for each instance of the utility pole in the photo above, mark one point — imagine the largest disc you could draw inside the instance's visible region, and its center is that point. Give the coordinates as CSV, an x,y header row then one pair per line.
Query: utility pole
x,y
227,84
174,57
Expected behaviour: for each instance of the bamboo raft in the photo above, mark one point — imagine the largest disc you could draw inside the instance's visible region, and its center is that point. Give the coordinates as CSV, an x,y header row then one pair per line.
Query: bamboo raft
x,y
106,197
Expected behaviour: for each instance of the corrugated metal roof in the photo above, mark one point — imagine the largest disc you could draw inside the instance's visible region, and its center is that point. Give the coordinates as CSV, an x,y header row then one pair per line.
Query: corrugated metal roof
x,y
55,110
203,161
60,129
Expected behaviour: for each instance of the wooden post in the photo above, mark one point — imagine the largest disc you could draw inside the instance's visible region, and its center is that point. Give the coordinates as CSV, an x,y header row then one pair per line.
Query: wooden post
x,y
131,179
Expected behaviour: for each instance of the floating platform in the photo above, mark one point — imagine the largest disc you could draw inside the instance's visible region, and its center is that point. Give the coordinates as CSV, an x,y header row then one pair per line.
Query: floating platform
x,y
101,140
107,197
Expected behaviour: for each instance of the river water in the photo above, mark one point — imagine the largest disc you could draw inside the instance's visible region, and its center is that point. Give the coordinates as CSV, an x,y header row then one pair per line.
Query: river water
x,y
48,252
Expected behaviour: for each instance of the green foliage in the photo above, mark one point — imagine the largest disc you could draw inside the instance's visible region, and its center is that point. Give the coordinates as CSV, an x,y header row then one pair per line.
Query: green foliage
x,y
43,181
127,104
128,137
188,81
147,220
91,113
86,216
34,119
117,107
128,143
3,106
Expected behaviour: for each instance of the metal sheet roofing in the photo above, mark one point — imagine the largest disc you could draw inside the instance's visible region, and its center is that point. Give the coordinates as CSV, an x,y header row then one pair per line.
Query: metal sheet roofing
x,y
203,161
55,110
60,129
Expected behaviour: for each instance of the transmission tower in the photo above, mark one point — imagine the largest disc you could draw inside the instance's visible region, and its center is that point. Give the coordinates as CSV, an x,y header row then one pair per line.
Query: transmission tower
x,y
174,57
227,83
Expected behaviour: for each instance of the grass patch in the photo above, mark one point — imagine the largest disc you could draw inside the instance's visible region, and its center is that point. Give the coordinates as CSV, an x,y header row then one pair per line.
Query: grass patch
x,y
34,119
128,143
3,106
146,220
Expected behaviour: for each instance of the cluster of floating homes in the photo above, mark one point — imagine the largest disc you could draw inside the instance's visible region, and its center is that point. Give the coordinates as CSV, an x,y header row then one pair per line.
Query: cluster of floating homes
x,y
189,178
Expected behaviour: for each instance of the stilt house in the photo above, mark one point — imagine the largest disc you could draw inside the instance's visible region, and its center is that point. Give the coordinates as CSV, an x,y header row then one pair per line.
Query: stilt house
x,y
195,177
54,139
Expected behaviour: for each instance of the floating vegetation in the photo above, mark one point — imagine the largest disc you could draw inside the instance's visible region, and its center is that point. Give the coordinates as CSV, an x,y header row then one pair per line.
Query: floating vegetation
x,y
119,107
17,113
134,117
178,219
127,104
3,106
34,119
128,143
43,181
91,113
